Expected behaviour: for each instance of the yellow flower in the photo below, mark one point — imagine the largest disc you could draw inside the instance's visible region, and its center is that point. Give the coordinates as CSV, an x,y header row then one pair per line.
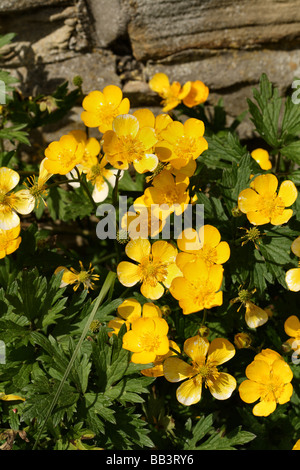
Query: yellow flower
x,y
171,94
147,339
292,329
158,369
101,107
169,194
9,241
155,268
205,244
63,155
127,144
205,358
292,277
262,204
268,380
198,287
11,203
181,142
262,157
130,310
71,276
198,94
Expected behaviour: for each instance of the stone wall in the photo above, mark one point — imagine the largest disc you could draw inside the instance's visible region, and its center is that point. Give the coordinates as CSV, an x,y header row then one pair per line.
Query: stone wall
x,y
225,43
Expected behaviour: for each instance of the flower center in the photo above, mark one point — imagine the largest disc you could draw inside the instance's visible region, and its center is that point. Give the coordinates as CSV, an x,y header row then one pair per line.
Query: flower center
x,y
208,372
130,149
203,293
152,272
271,206
106,113
208,254
150,342
185,148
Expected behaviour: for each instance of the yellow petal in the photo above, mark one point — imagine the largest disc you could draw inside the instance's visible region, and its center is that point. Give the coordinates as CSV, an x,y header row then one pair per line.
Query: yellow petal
x,y
282,370
265,185
9,220
257,218
147,163
151,310
292,326
130,309
295,247
173,272
258,371
128,273
250,391
93,100
138,249
248,200
189,392
220,351
125,125
194,128
145,117
113,95
264,408
23,202
288,193
285,394
196,348
144,357
176,369
292,279
223,386
223,253
8,179
283,218
261,156
152,292
188,240
159,83
163,252
255,316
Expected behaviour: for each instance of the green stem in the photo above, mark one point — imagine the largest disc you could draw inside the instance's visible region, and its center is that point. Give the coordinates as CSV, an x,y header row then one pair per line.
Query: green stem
x,y
97,302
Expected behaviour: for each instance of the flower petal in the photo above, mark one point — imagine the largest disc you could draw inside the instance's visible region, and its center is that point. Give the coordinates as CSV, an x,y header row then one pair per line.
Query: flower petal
x,y
292,326
8,179
288,193
176,369
196,348
125,125
248,200
152,292
138,249
223,386
220,351
250,391
189,392
264,408
265,185
283,218
292,278
147,163
130,309
9,220
128,273
23,202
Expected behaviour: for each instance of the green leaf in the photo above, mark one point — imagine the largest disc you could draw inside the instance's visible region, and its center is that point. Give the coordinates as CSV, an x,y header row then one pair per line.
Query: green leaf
x,y
265,114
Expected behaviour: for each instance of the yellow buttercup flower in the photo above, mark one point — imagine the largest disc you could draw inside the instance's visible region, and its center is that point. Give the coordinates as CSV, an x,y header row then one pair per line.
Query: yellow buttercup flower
x,y
292,329
73,277
292,276
63,155
262,204
127,144
168,193
9,241
269,381
101,107
205,244
206,357
146,118
262,157
158,368
130,310
171,93
198,287
155,268
198,94
12,204
181,142
147,339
